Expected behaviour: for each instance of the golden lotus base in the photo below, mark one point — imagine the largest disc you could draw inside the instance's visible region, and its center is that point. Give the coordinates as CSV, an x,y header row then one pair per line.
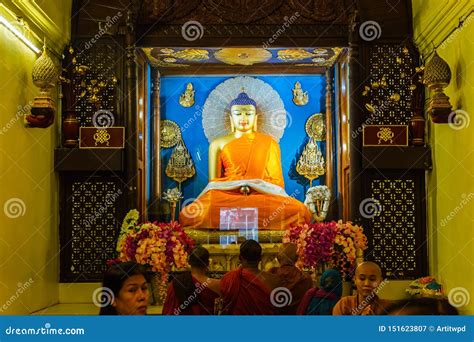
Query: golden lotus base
x,y
224,247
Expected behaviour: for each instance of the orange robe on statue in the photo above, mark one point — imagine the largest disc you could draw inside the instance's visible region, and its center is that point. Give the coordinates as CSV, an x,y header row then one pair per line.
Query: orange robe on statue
x,y
254,158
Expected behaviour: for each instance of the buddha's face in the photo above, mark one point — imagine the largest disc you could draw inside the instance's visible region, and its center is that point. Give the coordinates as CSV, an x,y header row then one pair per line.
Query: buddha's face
x,y
243,117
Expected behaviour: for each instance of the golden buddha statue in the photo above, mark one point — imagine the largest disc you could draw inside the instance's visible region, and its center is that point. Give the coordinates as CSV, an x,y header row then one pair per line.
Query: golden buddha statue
x,y
245,171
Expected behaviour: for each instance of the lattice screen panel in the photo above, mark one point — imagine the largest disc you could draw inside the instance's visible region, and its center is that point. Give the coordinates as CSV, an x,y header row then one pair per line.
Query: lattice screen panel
x,y
101,59
383,63
394,238
94,222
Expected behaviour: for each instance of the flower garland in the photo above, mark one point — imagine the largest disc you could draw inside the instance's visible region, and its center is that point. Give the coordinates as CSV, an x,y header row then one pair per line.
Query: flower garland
x,y
334,244
161,246
349,238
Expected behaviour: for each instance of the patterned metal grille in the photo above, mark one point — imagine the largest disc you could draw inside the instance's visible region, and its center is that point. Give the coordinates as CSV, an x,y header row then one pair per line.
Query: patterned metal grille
x,y
101,59
394,237
383,63
94,223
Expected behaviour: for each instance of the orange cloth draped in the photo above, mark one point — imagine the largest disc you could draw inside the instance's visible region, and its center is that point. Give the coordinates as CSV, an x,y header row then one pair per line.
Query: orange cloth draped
x,y
252,156
297,282
245,294
203,305
350,306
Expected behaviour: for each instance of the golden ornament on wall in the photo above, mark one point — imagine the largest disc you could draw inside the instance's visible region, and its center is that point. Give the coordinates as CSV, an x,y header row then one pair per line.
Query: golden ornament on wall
x,y
300,97
311,163
316,127
180,166
243,56
289,55
170,133
186,99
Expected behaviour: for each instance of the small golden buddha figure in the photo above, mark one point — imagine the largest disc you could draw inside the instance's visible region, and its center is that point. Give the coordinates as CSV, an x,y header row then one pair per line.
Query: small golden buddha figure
x,y
245,171
300,97
186,99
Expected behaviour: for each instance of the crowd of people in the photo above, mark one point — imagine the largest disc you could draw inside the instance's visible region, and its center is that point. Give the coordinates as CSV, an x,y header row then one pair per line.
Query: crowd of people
x,y
247,290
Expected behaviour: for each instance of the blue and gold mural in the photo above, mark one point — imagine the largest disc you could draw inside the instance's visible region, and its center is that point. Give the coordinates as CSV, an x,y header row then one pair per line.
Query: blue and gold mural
x,y
189,120
176,57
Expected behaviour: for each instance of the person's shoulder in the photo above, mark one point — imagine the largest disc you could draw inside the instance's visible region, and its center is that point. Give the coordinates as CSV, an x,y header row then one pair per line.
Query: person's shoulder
x,y
344,305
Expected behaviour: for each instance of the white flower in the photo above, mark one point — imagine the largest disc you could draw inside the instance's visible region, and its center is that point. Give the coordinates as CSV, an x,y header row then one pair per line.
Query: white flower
x,y
172,195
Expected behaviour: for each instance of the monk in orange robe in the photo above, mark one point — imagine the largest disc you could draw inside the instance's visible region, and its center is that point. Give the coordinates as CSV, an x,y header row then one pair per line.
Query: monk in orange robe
x,y
291,277
193,293
368,278
247,290
245,171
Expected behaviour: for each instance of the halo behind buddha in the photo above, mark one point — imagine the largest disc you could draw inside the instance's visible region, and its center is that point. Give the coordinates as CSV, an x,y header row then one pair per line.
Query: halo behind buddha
x,y
270,109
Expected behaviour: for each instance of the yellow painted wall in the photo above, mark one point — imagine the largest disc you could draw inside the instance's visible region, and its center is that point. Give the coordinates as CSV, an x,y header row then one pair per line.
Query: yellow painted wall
x,y
29,243
451,183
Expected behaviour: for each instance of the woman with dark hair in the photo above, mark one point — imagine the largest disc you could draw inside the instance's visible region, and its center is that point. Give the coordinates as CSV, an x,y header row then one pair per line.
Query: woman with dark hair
x,y
125,290
193,293
320,301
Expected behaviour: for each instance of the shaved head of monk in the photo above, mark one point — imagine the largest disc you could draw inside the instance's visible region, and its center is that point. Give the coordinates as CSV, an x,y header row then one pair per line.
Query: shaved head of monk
x,y
287,255
250,252
368,277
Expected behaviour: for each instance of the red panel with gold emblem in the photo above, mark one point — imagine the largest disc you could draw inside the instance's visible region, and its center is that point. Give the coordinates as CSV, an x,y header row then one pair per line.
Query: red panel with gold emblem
x,y
385,135
101,137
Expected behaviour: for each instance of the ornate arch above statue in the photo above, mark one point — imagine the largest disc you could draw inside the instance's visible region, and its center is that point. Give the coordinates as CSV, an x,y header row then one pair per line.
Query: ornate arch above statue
x,y
270,108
